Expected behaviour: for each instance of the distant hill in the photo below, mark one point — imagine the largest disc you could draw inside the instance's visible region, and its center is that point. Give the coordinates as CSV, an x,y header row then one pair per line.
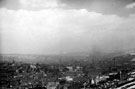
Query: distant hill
x,y
40,58
66,57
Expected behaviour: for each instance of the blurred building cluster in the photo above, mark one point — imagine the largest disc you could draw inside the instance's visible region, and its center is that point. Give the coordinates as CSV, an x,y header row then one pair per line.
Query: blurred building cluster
x,y
19,75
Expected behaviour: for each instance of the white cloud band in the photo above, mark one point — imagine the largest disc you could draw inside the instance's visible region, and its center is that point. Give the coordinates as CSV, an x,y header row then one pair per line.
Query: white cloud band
x,y
55,30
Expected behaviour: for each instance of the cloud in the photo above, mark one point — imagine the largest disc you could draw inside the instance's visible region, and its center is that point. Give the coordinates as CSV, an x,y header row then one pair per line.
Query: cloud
x,y
41,4
31,4
130,6
60,30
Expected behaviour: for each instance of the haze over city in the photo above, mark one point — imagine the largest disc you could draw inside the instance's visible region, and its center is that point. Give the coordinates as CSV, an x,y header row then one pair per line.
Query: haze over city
x,y
67,44
66,26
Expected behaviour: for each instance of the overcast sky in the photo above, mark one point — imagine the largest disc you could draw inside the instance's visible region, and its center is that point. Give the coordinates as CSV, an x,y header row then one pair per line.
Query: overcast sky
x,y
64,26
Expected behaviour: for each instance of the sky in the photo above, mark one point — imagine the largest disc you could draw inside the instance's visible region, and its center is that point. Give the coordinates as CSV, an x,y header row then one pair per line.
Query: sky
x,y
66,26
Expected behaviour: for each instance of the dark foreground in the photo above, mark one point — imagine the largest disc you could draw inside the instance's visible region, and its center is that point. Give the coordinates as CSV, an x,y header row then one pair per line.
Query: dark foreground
x,y
18,75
